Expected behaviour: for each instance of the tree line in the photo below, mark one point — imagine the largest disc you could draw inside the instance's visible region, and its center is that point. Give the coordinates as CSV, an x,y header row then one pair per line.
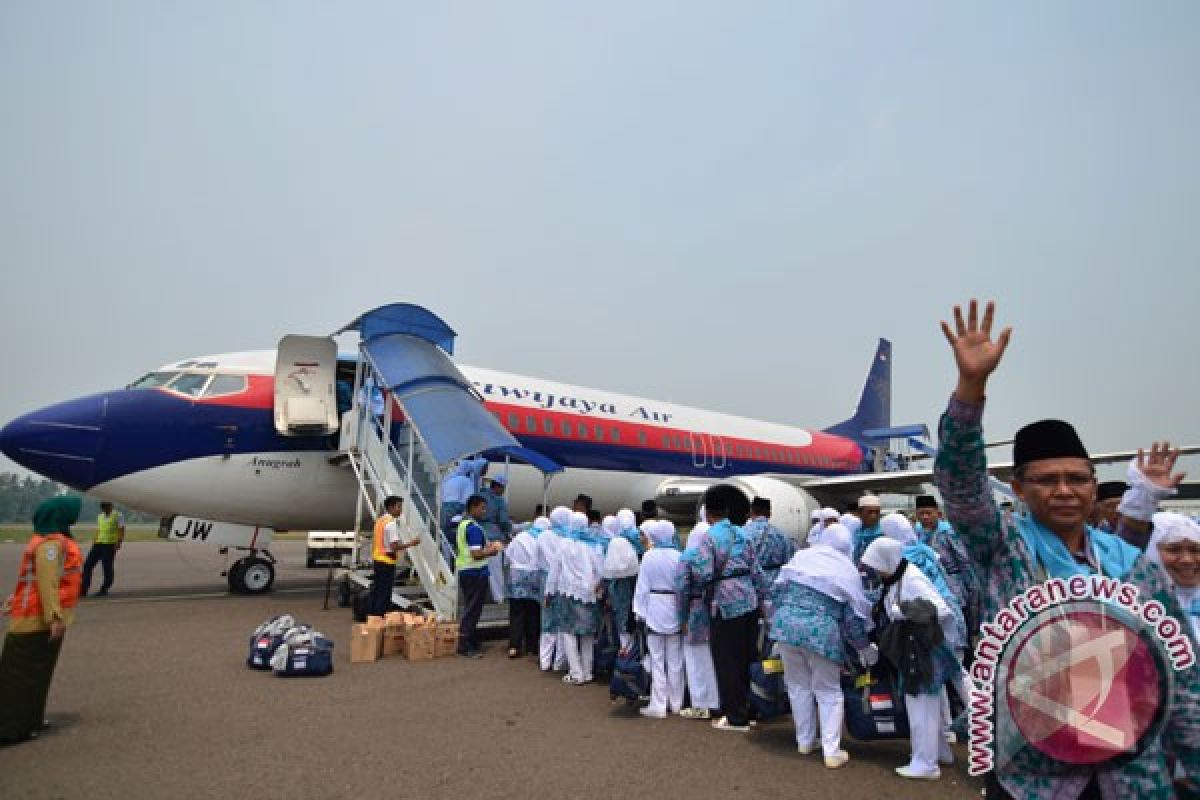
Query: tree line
x,y
20,495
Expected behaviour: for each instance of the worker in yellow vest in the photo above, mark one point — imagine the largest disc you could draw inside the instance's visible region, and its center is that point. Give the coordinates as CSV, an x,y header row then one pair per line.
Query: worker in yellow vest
x,y
471,566
110,535
39,612
386,546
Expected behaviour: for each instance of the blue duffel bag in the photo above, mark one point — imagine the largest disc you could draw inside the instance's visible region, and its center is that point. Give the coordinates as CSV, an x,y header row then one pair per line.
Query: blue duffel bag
x,y
768,692
266,639
630,678
303,654
607,647
874,707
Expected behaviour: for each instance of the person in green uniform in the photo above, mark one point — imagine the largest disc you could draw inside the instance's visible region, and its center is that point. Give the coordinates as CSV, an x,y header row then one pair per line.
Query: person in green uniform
x,y
39,610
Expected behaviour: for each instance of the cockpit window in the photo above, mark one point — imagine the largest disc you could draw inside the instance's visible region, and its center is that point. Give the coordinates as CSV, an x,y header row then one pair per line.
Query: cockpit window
x,y
153,380
190,383
225,384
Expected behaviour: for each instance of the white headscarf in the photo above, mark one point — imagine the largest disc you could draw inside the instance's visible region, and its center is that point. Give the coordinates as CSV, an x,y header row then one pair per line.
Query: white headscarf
x,y
885,555
851,523
839,538
522,552
542,523
1170,527
577,576
627,519
829,570
828,516
611,525
560,518
547,553
896,526
659,565
579,521
662,534
621,560
699,530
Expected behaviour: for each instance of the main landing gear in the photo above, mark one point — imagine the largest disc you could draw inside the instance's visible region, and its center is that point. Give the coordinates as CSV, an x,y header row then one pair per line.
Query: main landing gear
x,y
252,574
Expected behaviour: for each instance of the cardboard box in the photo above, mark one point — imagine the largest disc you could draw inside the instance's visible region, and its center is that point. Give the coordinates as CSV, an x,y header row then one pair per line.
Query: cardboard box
x,y
445,639
419,641
365,643
393,640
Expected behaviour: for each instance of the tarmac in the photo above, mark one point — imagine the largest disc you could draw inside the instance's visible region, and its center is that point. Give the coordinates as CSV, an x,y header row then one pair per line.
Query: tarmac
x,y
152,699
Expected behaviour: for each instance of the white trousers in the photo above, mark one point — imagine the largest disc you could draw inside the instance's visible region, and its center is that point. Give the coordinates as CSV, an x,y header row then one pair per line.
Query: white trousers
x,y
551,654
701,675
925,731
580,650
810,676
666,672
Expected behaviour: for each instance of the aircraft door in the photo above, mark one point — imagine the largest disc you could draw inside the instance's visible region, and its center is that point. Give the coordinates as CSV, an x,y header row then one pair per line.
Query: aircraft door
x,y
305,386
718,452
699,450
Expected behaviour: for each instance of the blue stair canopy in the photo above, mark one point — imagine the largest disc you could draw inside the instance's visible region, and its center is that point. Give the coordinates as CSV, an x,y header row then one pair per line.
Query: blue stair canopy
x,y
435,395
403,318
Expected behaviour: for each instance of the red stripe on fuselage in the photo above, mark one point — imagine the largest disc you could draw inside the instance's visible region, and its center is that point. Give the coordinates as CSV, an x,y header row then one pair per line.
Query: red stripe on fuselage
x,y
825,453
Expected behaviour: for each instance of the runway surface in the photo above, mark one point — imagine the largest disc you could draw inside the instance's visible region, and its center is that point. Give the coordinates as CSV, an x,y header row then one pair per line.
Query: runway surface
x,y
152,699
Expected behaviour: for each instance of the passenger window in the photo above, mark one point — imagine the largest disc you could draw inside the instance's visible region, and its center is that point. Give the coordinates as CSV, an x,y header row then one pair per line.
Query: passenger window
x,y
565,428
582,431
190,383
514,422
599,431
225,384
666,441
153,379
531,423
547,426
642,437
615,434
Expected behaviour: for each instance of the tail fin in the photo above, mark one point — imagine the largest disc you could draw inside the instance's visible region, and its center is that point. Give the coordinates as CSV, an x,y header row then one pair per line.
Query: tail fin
x,y
875,405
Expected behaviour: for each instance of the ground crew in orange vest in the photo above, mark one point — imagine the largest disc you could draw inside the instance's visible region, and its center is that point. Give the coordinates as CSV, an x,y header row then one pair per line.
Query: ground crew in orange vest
x,y
385,547
39,611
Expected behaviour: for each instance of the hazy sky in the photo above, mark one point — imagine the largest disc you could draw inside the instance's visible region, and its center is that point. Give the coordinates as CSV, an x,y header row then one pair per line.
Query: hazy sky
x,y
723,204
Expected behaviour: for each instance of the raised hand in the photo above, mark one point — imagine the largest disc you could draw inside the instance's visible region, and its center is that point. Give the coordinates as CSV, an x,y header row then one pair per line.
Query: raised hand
x,y
1158,465
975,353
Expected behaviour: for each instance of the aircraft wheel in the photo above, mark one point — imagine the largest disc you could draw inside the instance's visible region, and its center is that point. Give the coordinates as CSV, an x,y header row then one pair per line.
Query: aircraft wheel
x,y
258,576
236,586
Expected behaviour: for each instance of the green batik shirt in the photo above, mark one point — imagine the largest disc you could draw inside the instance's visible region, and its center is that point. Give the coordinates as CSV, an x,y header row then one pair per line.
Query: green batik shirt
x,y
1006,568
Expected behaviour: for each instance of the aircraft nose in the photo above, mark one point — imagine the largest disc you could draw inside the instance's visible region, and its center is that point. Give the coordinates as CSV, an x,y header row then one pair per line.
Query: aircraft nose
x,y
60,441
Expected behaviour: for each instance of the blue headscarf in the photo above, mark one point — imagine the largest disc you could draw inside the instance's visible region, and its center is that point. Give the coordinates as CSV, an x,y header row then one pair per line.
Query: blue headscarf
x,y
1114,555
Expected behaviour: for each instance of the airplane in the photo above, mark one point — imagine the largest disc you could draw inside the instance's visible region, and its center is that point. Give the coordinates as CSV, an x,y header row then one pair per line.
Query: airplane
x,y
207,443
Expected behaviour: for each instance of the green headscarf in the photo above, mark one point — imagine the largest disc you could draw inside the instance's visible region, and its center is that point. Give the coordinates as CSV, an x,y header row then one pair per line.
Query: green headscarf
x,y
57,514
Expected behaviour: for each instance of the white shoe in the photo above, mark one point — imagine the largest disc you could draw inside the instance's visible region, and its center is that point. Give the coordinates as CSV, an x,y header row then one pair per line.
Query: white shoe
x,y
909,772
836,760
646,712
805,749
723,724
951,737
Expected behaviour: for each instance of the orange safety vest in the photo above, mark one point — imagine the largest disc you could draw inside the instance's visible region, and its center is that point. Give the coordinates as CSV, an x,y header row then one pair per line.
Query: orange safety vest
x,y
378,551
26,602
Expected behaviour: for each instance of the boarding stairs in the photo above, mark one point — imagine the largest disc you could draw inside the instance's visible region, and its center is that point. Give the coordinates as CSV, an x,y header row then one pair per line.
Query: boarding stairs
x,y
414,415
407,470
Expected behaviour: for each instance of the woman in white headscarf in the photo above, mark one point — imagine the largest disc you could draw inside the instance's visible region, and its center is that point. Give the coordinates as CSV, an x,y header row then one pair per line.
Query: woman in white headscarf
x,y
903,585
1175,546
576,598
525,581
620,577
697,650
552,652
657,601
816,606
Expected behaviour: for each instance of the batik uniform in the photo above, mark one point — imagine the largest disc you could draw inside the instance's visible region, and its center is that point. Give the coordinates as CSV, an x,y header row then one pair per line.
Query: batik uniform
x,y
1006,568
804,617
